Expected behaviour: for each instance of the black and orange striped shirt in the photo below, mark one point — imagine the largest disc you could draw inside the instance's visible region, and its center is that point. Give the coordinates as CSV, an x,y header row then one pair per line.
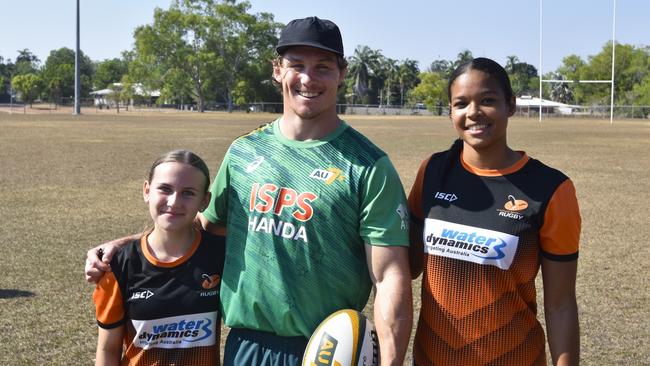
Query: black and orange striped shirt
x,y
483,234
170,310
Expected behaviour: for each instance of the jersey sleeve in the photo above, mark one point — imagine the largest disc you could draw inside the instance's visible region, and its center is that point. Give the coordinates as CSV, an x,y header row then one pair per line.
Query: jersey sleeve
x,y
415,196
560,233
109,304
384,214
217,210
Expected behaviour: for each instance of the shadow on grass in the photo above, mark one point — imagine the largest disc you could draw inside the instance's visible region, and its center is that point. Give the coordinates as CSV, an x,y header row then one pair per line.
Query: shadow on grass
x,y
10,294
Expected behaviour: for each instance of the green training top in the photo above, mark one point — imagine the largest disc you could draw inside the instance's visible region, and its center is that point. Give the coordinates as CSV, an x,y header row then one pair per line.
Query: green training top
x,y
297,214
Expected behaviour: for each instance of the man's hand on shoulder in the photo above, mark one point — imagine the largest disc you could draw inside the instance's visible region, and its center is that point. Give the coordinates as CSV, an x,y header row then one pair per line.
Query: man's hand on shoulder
x,y
98,259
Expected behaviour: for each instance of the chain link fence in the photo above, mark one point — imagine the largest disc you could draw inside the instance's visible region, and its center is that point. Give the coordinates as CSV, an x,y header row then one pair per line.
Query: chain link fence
x,y
88,105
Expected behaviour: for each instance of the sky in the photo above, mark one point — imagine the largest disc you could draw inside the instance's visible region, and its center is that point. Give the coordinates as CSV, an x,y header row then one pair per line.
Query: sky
x,y
421,30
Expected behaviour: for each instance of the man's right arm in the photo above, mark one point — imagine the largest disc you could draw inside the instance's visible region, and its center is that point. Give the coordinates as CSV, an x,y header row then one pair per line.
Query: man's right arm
x,y
202,222
99,257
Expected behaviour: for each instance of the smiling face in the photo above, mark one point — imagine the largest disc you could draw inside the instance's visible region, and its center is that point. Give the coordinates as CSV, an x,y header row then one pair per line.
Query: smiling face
x,y
480,111
176,192
309,78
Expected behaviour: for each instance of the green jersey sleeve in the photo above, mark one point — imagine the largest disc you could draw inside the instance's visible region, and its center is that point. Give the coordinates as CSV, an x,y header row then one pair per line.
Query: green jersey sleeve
x,y
384,214
217,210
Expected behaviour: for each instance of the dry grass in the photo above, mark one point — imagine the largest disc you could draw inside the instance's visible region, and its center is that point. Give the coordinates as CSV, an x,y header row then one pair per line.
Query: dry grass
x,y
70,182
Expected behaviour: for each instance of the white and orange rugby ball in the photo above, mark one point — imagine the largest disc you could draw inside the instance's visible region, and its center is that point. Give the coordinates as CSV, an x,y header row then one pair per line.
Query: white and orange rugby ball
x,y
345,338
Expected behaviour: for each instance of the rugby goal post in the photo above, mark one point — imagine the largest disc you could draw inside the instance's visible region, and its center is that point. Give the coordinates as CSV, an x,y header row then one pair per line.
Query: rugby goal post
x,y
610,81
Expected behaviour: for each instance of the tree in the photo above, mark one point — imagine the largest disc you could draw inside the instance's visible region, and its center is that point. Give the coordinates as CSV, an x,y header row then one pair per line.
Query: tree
x,y
242,41
120,93
143,71
58,73
207,44
511,63
571,69
462,57
561,92
177,87
256,86
26,63
58,78
632,65
363,65
408,77
28,86
108,72
388,76
443,67
170,45
521,76
642,96
432,91
6,71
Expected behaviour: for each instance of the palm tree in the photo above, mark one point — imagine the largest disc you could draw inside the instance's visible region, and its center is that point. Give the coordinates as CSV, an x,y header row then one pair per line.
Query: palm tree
x,y
442,67
389,74
408,76
362,66
463,56
511,64
561,92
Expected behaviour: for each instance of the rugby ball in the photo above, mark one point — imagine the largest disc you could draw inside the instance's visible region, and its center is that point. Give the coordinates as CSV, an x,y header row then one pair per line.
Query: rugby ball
x,y
345,338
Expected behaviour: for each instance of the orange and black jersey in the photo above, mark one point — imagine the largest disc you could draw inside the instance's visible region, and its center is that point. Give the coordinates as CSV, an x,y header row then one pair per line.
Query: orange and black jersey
x,y
170,309
483,234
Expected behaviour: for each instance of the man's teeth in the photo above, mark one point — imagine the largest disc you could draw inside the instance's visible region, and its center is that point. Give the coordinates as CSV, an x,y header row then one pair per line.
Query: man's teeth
x,y
307,94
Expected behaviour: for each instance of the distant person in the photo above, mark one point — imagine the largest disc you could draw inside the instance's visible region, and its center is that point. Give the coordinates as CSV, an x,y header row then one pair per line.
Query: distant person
x,y
484,219
161,300
314,212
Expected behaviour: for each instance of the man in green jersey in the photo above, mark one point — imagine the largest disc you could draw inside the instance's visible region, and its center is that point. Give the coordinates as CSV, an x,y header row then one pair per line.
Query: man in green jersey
x,y
315,215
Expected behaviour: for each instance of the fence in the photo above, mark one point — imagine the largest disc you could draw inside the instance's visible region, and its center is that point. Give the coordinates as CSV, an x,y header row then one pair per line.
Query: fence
x,y
596,111
593,111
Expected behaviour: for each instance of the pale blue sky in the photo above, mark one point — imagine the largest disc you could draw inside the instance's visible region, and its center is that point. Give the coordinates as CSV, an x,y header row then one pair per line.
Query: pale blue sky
x,y
417,29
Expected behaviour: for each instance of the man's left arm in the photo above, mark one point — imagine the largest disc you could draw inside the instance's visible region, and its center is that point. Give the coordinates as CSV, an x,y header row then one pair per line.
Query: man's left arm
x,y
393,305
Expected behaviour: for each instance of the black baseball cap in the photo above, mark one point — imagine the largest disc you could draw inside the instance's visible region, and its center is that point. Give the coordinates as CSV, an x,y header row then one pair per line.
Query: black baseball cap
x,y
313,32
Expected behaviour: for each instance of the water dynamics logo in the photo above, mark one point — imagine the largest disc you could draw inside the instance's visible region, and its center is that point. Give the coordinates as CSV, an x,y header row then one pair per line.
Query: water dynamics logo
x,y
470,244
185,331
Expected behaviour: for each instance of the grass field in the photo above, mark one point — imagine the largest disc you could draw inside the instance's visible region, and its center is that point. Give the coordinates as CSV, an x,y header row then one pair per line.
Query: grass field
x,y
69,183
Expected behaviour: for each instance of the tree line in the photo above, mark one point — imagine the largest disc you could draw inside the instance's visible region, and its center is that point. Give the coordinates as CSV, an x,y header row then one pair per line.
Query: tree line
x,y
209,52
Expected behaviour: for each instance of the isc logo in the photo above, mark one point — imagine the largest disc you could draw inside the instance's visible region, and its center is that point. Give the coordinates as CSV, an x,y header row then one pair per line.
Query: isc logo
x,y
446,196
145,294
325,354
269,197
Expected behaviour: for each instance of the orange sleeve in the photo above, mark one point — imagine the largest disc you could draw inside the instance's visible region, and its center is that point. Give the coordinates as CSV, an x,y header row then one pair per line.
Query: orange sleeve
x,y
109,306
415,195
560,234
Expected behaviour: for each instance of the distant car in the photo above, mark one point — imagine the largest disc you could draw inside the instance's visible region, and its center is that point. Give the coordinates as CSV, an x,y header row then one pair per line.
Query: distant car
x,y
420,106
